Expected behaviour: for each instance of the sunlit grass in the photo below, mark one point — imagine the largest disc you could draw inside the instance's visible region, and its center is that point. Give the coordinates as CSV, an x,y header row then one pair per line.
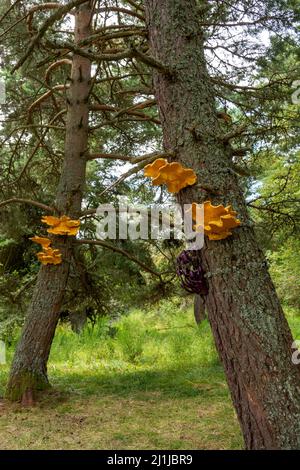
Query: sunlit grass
x,y
151,380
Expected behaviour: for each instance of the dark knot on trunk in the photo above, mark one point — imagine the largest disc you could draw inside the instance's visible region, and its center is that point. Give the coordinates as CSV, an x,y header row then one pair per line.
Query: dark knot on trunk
x,y
191,272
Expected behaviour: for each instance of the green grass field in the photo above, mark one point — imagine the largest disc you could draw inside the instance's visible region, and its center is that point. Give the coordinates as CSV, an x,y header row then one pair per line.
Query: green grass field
x,y
154,382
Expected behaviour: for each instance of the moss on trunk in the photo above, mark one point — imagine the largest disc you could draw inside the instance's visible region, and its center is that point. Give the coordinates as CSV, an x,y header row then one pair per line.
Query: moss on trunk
x,y
23,381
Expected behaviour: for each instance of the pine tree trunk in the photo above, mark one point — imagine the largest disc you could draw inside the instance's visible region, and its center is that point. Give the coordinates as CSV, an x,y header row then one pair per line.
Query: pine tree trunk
x,y
29,368
249,327
199,309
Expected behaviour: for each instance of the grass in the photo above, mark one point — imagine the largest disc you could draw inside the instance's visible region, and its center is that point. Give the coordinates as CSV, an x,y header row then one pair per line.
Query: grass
x,y
153,381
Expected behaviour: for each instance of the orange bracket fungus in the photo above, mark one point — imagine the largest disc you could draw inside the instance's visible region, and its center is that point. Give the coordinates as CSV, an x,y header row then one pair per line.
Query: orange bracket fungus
x,y
61,225
43,241
152,170
174,175
49,256
218,220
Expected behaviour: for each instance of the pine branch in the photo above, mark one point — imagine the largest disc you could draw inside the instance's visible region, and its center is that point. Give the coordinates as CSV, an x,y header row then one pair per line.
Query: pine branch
x,y
135,5
48,23
121,10
18,200
120,251
148,60
131,159
53,66
44,97
239,130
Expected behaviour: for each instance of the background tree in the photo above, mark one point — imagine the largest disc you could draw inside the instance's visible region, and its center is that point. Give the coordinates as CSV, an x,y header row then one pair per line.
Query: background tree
x,y
46,113
226,101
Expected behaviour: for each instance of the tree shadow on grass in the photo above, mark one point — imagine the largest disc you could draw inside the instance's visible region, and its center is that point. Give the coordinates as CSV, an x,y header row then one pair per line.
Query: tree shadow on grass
x,y
184,381
177,383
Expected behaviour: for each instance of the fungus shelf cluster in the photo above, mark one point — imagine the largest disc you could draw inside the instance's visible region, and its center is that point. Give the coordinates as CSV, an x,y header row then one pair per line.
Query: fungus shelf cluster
x,y
217,225
63,226
173,175
218,220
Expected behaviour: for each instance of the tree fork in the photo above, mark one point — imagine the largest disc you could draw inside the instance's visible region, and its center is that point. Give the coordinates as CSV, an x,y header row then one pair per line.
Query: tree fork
x,y
251,333
29,368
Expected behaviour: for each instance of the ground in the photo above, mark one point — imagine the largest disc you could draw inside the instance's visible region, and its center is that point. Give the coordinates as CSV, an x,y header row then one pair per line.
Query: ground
x,y
153,382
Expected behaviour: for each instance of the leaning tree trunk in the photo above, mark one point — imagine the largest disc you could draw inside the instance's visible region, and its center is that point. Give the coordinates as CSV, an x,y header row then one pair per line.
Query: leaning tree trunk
x,y
29,368
249,327
199,309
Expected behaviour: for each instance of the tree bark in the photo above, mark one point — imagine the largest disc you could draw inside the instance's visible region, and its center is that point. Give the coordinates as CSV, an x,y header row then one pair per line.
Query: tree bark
x,y
199,309
249,327
29,368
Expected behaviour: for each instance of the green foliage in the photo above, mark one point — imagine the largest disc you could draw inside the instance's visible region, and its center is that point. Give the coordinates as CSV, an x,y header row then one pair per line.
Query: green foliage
x,y
164,335
276,200
159,347
14,296
31,154
285,271
162,395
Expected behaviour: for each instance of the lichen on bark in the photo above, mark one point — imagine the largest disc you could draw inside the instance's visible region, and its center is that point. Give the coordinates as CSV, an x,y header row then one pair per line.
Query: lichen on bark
x,y
251,333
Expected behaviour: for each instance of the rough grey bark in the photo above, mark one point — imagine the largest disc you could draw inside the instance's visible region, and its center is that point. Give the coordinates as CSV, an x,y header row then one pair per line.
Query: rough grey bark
x,y
199,309
249,327
29,368
78,321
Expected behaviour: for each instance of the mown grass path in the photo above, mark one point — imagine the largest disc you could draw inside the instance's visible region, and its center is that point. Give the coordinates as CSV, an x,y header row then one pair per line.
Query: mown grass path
x,y
151,382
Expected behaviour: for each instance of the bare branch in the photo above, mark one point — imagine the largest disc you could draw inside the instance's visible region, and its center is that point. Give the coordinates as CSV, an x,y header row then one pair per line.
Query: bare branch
x,y
18,200
131,111
243,23
131,53
146,59
45,96
54,66
135,5
110,156
43,6
131,159
100,36
234,133
37,146
241,152
129,173
121,10
121,252
143,105
41,32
